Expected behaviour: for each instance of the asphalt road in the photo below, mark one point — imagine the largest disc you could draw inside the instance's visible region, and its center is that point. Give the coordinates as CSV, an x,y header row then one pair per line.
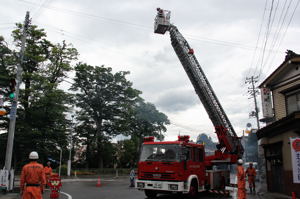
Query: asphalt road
x,y
109,189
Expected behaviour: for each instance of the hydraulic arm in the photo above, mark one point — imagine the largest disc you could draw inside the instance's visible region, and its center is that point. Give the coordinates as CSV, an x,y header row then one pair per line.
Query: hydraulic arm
x,y
229,142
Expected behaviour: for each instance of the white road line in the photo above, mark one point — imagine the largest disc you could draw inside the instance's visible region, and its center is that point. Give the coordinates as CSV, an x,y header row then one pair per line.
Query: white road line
x,y
68,195
85,180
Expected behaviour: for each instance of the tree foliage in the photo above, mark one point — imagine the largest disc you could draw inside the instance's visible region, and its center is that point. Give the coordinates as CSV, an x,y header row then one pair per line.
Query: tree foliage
x,y
105,100
147,121
106,105
41,123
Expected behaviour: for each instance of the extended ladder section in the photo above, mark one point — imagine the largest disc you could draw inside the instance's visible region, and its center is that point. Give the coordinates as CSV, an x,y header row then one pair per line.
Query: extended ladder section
x,y
229,142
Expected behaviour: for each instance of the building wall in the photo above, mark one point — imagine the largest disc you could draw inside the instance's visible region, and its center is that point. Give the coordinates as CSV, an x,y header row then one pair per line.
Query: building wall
x,y
287,177
279,100
286,147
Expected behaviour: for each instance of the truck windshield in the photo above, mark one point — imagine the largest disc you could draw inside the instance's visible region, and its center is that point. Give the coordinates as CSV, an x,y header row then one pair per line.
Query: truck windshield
x,y
160,152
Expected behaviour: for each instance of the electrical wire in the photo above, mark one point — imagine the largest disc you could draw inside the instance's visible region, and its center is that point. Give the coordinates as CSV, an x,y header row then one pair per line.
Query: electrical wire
x,y
258,39
37,12
268,30
285,31
192,37
79,13
277,33
292,16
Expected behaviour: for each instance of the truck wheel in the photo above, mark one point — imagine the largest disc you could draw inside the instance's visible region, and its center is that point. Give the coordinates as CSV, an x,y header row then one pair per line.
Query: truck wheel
x,y
150,193
193,190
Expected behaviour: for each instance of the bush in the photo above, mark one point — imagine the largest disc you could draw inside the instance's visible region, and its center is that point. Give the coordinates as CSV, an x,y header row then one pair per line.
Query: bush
x,y
63,170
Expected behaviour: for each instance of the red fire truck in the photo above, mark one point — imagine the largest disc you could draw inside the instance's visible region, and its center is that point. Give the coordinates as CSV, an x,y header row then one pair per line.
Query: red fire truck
x,y
182,166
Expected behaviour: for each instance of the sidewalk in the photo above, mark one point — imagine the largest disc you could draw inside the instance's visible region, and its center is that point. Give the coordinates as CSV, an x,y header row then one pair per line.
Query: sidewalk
x,y
9,196
249,196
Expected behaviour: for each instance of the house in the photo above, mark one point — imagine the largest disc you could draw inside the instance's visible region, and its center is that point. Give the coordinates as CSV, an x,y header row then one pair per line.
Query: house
x,y
281,110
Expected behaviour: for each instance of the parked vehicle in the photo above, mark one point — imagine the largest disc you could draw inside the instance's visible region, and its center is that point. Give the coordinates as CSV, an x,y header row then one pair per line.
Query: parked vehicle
x,y
181,166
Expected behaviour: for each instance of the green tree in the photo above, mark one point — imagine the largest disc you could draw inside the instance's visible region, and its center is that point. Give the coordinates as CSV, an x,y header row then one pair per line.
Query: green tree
x,y
128,155
105,100
147,121
7,60
41,123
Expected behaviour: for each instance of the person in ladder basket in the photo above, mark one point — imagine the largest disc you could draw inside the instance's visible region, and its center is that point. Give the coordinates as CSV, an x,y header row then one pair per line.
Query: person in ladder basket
x,y
32,180
251,173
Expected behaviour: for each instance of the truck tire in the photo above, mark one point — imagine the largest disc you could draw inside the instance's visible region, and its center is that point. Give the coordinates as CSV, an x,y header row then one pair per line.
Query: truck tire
x,y
150,193
193,189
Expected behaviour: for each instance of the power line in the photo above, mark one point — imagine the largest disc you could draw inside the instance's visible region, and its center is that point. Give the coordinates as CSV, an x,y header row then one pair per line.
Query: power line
x,y
80,13
258,38
282,38
284,34
37,11
268,30
277,32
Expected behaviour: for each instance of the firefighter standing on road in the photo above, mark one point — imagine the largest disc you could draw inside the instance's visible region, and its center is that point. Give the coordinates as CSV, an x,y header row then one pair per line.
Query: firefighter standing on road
x,y
241,180
48,172
132,175
32,178
251,173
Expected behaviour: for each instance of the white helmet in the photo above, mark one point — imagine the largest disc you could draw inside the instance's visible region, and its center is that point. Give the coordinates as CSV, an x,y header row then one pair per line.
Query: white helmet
x,y
33,155
240,161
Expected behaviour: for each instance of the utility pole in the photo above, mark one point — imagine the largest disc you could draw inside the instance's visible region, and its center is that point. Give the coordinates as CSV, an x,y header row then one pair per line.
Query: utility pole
x,y
13,111
261,159
253,93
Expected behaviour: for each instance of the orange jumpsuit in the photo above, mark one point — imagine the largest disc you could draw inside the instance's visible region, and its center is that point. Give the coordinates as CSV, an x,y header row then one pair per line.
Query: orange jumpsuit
x,y
32,181
48,172
241,182
251,173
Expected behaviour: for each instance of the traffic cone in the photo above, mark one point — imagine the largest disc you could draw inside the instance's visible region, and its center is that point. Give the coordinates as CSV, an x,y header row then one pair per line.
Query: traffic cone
x,y
99,182
293,195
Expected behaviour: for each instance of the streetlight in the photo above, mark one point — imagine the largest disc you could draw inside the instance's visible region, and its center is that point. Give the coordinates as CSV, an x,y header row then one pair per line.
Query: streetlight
x,y
60,156
70,150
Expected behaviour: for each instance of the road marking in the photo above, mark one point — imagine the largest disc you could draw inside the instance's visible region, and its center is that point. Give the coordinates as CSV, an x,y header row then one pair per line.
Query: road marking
x,y
68,195
85,180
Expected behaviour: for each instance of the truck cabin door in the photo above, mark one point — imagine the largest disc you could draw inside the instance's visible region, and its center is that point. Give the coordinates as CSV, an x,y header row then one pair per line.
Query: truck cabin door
x,y
195,163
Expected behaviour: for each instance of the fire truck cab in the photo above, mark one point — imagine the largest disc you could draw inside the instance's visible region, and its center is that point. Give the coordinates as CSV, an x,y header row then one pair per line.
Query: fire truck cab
x,y
171,166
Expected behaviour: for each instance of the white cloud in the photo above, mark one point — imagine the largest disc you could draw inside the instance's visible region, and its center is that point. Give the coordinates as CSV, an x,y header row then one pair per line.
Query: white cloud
x,y
119,34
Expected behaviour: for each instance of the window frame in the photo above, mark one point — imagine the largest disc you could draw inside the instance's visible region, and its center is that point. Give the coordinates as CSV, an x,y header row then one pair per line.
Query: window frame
x,y
296,93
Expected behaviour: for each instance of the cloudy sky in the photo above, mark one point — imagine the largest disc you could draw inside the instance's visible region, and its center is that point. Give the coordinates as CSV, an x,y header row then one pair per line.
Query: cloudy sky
x,y
232,39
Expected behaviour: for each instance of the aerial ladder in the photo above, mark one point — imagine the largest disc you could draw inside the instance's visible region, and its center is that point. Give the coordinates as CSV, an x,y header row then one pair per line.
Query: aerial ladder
x,y
229,148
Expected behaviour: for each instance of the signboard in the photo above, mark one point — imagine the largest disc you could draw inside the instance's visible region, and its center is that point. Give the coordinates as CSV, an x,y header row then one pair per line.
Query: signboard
x,y
266,102
295,153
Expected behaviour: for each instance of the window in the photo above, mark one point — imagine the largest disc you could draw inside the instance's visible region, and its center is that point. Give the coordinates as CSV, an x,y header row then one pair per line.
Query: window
x,y
160,152
201,155
198,155
293,102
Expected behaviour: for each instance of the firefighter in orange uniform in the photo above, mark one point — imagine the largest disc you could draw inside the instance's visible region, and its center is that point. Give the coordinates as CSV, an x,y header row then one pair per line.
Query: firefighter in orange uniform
x,y
241,180
251,173
32,180
48,172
